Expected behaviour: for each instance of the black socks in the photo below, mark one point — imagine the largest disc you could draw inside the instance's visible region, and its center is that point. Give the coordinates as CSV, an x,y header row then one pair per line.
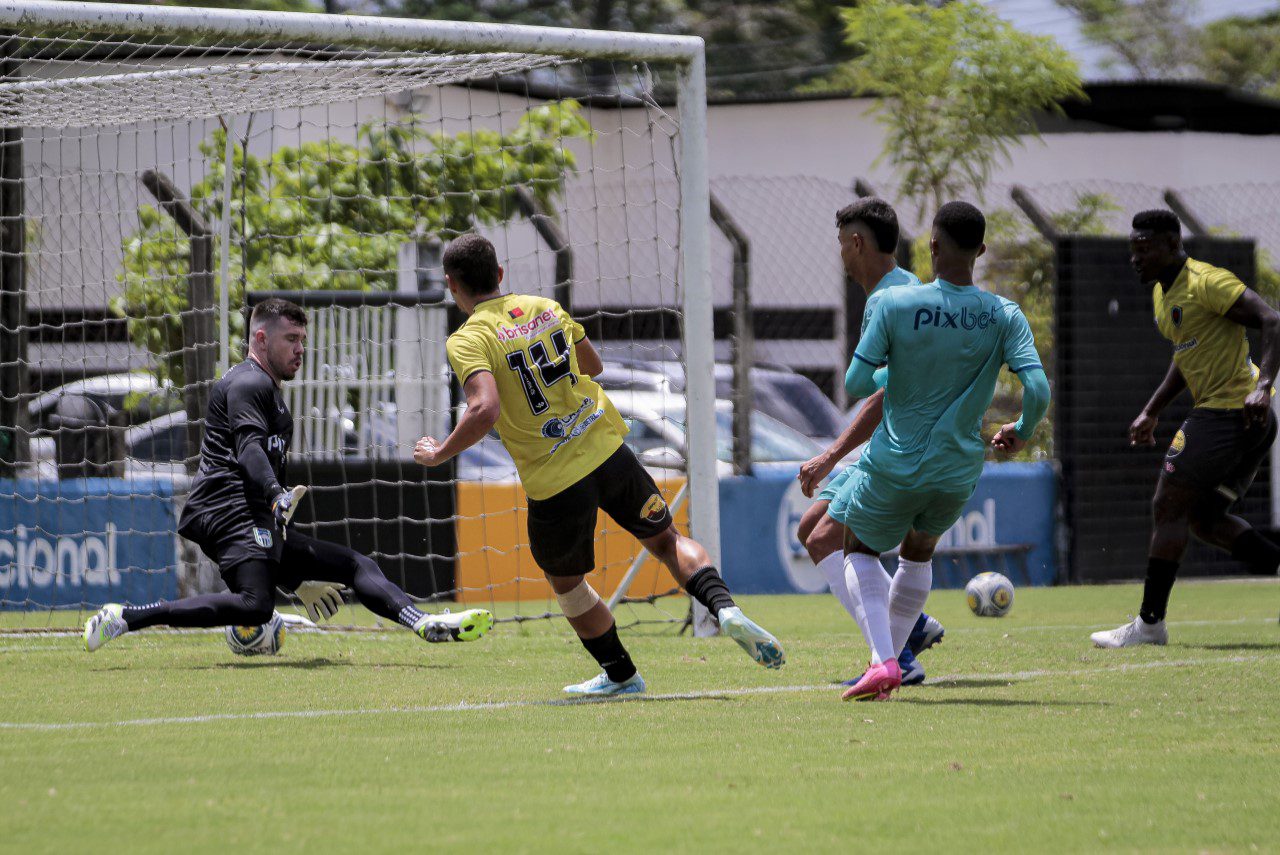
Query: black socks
x,y
612,656
708,588
1155,594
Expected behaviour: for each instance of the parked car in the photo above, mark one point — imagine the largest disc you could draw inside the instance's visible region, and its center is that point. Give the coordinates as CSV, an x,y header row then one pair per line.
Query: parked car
x,y
137,396
658,434
777,391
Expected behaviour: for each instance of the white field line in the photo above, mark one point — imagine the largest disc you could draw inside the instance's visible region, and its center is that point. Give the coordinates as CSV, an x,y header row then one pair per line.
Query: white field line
x,y
20,642
485,706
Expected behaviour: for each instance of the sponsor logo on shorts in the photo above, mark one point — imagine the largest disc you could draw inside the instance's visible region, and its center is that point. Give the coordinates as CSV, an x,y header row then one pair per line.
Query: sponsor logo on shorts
x,y
1168,467
1179,443
654,508
262,537
1176,314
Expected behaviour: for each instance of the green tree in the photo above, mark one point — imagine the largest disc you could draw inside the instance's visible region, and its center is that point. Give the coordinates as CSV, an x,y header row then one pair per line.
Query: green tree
x,y
1242,52
1019,265
957,88
754,47
1148,38
332,215
250,5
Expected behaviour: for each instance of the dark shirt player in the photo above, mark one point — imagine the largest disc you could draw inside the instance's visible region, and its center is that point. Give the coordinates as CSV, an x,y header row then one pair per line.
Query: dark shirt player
x,y
238,512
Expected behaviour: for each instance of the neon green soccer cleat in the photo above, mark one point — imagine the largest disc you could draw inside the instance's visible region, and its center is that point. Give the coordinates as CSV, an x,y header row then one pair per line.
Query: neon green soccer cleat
x,y
463,626
107,624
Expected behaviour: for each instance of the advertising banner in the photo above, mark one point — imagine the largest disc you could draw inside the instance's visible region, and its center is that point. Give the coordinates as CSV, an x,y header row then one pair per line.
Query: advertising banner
x,y
88,540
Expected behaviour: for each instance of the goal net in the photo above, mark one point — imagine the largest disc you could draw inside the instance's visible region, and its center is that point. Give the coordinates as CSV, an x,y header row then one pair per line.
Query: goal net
x,y
163,169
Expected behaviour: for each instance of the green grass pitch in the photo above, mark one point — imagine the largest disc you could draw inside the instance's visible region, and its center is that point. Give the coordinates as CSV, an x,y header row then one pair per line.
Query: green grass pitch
x,y
1025,739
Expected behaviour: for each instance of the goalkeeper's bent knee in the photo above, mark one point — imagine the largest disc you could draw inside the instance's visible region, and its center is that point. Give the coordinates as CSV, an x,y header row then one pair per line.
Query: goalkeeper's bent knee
x,y
579,601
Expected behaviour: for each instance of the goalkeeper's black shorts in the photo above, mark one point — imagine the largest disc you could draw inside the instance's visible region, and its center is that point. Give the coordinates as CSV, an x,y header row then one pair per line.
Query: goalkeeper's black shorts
x,y
562,529
231,542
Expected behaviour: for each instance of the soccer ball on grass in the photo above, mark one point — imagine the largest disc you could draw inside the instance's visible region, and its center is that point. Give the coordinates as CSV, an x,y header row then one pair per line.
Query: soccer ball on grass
x,y
257,640
989,595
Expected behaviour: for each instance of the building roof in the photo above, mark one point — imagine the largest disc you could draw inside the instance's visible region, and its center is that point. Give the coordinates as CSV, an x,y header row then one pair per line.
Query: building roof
x,y
1134,105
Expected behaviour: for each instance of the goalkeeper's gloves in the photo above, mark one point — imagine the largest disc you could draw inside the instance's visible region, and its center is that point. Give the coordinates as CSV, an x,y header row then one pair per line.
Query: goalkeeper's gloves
x,y
281,508
284,505
321,600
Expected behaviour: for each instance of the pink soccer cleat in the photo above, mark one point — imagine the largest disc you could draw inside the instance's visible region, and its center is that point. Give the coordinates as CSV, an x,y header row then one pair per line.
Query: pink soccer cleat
x,y
877,684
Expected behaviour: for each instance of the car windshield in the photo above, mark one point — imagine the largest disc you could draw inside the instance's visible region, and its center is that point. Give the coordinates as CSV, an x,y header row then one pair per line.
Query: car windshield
x,y
792,399
820,414
771,440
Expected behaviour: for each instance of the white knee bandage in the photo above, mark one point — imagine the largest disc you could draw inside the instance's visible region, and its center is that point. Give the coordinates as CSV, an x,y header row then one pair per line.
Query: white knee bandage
x,y
579,601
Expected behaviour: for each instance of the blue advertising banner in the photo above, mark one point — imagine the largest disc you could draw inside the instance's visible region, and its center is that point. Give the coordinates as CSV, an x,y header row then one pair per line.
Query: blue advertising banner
x,y
1014,504
86,541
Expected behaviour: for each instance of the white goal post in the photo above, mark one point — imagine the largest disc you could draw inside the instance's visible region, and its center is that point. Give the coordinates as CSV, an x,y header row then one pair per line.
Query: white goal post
x,y
421,53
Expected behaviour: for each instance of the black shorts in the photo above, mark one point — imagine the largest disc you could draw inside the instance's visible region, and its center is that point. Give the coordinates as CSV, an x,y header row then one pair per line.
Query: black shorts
x,y
1215,451
229,542
562,529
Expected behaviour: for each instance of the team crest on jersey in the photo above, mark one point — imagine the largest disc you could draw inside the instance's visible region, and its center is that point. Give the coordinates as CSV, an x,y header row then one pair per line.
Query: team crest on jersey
x,y
654,508
1179,443
262,537
1176,315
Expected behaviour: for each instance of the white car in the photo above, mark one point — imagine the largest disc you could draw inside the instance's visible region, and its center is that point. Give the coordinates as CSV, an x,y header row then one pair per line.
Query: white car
x,y
138,394
658,434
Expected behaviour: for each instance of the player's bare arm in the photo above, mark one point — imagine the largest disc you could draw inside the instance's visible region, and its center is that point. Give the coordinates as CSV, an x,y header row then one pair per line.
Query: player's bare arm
x,y
1143,429
1252,312
589,361
859,431
483,409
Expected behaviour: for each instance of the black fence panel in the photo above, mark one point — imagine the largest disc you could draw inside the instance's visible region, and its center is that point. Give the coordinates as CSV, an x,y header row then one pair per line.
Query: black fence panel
x,y
1109,359
397,513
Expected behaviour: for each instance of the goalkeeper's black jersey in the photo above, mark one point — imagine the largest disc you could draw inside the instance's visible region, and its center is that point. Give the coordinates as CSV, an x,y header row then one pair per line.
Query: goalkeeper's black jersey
x,y
247,433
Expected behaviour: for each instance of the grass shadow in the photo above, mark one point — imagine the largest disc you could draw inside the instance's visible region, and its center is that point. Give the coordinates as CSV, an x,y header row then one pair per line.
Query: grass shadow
x,y
635,699
997,702
968,683
1236,645
309,665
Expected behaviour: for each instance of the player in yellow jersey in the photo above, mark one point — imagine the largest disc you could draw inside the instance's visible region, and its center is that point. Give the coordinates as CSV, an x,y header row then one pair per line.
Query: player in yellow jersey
x,y
525,367
1204,311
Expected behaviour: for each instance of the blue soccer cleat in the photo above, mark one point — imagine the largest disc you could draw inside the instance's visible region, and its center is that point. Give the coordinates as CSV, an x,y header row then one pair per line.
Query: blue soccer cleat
x,y
602,687
926,633
912,670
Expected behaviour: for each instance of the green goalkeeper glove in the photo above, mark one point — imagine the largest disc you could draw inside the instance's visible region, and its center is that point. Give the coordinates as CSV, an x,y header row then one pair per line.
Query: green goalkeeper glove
x,y
320,599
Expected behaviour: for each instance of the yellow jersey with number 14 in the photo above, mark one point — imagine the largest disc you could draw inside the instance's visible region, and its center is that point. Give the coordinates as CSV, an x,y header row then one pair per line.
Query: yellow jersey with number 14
x,y
1210,350
556,422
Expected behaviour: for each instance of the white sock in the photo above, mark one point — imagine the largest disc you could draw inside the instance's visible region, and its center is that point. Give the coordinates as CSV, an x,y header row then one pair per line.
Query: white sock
x,y
832,568
907,595
864,574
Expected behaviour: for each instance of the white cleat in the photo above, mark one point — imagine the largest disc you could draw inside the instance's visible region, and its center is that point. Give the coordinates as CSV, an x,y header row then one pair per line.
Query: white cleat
x,y
107,624
602,686
751,637
1132,634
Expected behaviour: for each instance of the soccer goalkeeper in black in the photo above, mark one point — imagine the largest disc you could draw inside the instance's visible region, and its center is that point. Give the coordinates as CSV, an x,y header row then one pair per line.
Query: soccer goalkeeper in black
x,y
239,510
